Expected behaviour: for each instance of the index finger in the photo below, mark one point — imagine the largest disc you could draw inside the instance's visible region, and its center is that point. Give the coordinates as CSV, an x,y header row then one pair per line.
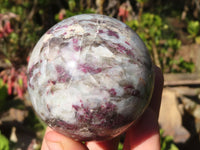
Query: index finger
x,y
144,134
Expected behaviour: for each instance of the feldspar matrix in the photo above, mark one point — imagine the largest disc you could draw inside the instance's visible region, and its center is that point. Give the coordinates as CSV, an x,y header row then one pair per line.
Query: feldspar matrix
x,y
90,77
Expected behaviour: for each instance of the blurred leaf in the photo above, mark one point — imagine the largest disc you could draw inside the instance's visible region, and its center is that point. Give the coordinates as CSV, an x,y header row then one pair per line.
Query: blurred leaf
x,y
193,28
20,81
134,24
174,147
120,146
13,38
3,94
185,65
72,4
7,61
167,142
197,39
4,143
174,43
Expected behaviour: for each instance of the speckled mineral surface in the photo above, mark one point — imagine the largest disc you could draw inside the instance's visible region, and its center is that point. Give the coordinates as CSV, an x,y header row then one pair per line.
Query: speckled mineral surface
x,y
90,77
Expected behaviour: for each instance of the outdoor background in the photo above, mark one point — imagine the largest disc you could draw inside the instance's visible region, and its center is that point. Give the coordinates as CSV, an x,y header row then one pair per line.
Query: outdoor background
x,y
170,30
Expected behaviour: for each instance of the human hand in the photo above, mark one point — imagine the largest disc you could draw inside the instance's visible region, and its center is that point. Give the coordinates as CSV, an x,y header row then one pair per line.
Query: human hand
x,y
143,135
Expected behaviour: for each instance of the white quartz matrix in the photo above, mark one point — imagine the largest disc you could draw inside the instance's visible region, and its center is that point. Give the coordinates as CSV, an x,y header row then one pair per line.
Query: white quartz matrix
x,y
90,77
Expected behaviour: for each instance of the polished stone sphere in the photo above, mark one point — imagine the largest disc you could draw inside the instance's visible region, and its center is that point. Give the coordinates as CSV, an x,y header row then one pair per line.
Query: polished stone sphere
x,y
90,77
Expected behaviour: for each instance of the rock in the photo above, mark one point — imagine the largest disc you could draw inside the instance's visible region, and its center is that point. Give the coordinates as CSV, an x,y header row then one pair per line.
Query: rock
x,y
170,118
192,107
14,115
13,136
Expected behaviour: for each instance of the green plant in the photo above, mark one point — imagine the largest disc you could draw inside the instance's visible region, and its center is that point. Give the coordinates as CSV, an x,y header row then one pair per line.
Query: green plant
x,y
74,8
149,29
146,27
3,94
162,45
193,29
4,142
187,66
167,142
19,31
120,146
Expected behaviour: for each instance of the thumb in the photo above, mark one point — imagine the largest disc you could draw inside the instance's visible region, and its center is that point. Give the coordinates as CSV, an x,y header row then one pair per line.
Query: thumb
x,y
56,141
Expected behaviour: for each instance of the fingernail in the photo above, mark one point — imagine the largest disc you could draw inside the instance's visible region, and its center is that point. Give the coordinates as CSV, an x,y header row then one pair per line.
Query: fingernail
x,y
54,145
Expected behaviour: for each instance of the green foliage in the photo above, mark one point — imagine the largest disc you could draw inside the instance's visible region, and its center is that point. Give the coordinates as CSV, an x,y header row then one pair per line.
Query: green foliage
x,y
167,142
149,28
75,8
193,28
72,4
16,44
187,66
120,146
4,142
175,44
158,37
3,94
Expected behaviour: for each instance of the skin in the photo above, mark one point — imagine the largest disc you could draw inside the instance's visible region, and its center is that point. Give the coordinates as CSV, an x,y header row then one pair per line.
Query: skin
x,y
143,135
